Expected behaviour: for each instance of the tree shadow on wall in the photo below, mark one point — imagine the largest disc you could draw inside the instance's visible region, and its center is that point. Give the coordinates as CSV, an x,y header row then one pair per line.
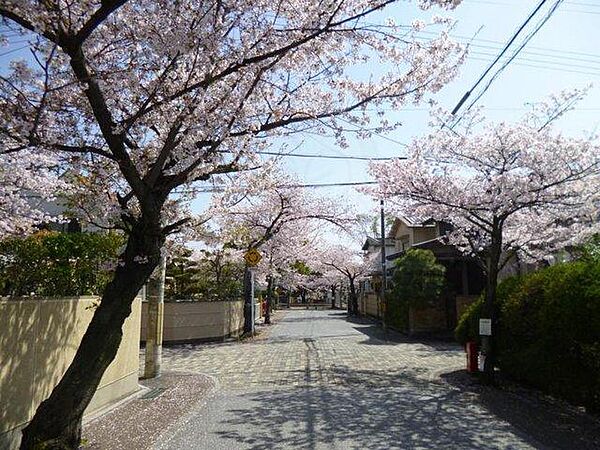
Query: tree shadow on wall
x,y
365,410
36,347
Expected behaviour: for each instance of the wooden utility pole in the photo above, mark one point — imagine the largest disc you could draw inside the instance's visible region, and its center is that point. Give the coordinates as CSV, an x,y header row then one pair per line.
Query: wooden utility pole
x,y
383,268
155,295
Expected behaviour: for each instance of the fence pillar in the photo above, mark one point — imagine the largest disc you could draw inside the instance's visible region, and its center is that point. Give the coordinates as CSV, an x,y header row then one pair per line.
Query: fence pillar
x,y
155,294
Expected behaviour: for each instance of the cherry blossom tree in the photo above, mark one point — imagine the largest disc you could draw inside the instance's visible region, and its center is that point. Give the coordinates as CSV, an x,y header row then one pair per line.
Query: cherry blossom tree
x,y
508,189
283,254
276,215
350,264
138,98
327,279
28,183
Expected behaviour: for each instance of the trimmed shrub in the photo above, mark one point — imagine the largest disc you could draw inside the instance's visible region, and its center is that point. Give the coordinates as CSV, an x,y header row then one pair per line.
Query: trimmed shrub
x,y
214,276
418,278
549,330
418,281
467,328
397,313
54,264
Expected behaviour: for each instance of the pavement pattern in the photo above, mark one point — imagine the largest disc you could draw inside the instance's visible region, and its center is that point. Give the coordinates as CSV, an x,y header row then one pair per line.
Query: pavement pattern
x,y
136,424
320,381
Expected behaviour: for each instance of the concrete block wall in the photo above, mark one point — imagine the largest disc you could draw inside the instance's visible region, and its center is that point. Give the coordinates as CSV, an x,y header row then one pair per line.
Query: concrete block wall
x,y
38,340
426,320
370,305
189,321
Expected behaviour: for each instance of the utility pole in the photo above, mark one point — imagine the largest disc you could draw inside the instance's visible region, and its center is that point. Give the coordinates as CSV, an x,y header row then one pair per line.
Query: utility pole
x,y
249,300
383,266
155,295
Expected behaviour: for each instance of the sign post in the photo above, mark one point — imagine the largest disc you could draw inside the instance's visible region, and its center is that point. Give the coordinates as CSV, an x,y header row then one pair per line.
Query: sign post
x,y
485,331
252,258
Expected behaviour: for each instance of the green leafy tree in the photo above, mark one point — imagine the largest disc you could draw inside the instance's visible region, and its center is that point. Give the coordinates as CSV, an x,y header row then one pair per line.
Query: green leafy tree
x,y
54,264
418,278
182,273
212,276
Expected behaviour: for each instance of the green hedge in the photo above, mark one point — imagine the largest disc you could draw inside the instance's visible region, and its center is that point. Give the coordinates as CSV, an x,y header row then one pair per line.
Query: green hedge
x,y
418,278
549,330
397,313
53,264
417,281
468,324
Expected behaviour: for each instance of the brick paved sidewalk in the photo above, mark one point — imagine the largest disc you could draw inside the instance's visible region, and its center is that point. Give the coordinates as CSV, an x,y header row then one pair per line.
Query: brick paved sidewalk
x,y
139,423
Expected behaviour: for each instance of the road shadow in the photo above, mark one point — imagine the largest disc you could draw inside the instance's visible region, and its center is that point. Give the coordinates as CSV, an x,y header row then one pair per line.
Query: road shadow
x,y
313,318
552,422
365,410
376,335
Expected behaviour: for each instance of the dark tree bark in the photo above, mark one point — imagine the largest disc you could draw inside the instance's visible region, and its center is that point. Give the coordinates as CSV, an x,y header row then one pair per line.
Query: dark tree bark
x,y
333,290
57,421
353,300
269,299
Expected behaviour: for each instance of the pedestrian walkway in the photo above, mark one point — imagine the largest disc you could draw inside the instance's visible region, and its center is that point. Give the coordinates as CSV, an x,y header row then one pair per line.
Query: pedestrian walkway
x,y
320,381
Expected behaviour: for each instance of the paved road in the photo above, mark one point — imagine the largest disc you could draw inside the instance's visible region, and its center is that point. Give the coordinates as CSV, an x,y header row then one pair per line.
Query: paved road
x,y
322,382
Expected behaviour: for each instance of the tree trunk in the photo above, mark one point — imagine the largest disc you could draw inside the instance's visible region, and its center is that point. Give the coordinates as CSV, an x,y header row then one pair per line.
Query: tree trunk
x,y
269,299
353,300
332,297
489,307
57,421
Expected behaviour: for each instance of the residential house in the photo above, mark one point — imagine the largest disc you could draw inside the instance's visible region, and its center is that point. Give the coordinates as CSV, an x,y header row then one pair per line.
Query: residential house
x,y
464,277
369,288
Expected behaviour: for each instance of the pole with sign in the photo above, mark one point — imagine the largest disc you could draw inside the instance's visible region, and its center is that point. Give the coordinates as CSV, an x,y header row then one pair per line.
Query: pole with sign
x,y
252,258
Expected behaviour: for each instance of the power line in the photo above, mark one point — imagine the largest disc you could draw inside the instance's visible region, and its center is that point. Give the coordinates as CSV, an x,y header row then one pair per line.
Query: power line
x,y
592,65
308,155
221,188
535,66
317,156
516,52
553,64
13,50
383,136
543,51
580,11
504,50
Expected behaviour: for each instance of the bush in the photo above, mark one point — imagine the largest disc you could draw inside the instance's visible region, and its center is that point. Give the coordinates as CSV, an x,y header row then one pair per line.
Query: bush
x,y
397,313
467,328
468,324
418,278
417,281
549,330
53,264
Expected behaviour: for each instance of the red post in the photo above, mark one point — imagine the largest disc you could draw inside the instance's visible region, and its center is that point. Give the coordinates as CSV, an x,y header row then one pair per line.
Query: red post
x,y
472,357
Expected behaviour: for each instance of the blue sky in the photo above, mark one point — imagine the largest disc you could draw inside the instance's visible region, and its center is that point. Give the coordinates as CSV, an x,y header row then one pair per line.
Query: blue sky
x,y
565,46
562,55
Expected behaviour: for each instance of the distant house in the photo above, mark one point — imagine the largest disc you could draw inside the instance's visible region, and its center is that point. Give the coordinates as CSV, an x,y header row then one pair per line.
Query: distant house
x,y
465,279
369,302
